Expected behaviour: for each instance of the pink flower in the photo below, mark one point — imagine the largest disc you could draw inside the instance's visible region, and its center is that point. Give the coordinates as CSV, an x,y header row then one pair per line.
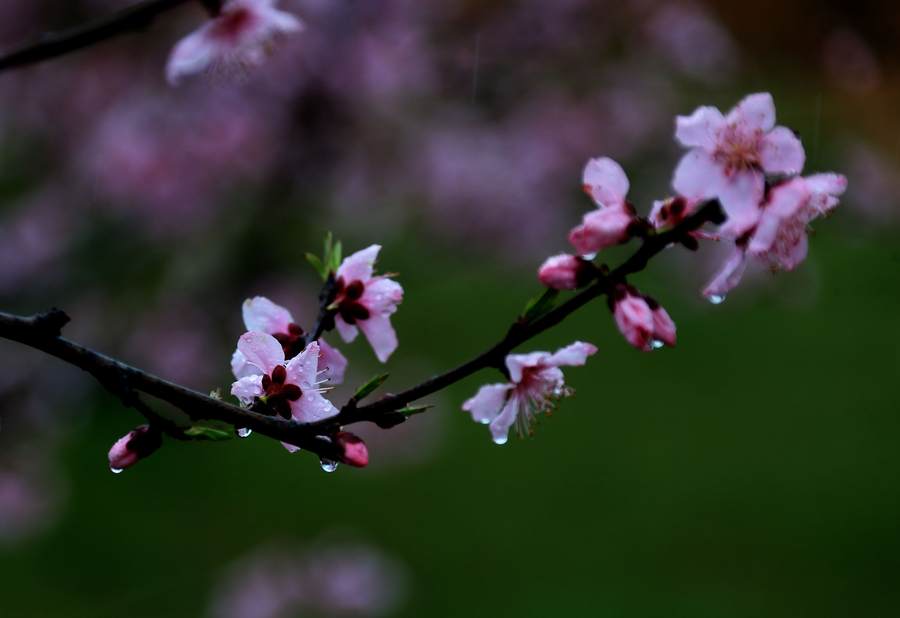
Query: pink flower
x,y
730,155
779,239
566,272
140,442
353,448
641,319
290,389
240,36
367,302
535,379
263,316
606,183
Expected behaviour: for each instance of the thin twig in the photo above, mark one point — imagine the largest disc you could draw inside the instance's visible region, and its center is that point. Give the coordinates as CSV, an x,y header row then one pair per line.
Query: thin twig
x,y
53,44
42,332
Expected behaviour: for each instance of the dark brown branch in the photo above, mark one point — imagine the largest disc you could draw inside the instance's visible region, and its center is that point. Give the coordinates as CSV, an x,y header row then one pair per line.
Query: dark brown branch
x,y
42,332
53,44
325,319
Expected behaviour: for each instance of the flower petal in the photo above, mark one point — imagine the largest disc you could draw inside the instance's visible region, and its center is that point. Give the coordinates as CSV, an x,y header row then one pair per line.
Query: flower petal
x,y
780,152
359,266
755,112
740,197
332,363
192,54
700,129
378,330
382,295
698,175
264,316
500,425
348,332
516,363
729,275
247,389
606,181
303,368
573,355
487,402
240,367
261,350
601,229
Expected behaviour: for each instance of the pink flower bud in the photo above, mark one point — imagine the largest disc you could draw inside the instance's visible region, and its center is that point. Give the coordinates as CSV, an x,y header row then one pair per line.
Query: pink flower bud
x,y
633,317
137,444
565,272
663,326
603,228
354,451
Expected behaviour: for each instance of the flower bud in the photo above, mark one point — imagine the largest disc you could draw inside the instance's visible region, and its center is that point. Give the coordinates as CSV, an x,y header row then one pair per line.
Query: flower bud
x,y
353,449
633,316
604,228
140,442
663,326
566,272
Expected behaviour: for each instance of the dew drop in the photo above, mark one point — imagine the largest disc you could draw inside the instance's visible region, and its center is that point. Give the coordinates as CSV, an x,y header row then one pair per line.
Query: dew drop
x,y
656,344
310,397
716,299
501,440
588,256
243,432
328,465
485,421
116,470
328,406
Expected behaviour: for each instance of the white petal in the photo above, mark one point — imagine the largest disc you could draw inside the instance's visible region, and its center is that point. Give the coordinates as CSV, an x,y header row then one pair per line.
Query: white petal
x,y
729,275
261,350
606,181
756,111
487,402
573,355
516,363
247,389
359,266
381,335
303,368
700,129
264,316
780,152
348,332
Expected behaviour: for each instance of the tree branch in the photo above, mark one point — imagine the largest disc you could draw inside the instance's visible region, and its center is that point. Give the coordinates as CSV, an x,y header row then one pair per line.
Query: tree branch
x,y
52,44
42,332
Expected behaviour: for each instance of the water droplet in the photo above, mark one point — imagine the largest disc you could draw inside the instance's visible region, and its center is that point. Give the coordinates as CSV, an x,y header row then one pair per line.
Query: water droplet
x,y
310,397
485,421
501,440
589,256
656,344
328,406
328,465
716,299
243,432
116,470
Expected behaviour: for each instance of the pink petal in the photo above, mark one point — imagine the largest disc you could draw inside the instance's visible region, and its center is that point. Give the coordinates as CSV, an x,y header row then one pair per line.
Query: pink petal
x,y
382,295
783,203
303,369
487,402
381,335
311,407
500,425
348,332
353,449
663,327
796,253
359,266
698,175
516,363
573,355
192,54
261,350
755,112
828,183
635,321
332,363
264,316
729,275
247,389
740,197
120,457
780,152
601,229
240,367
700,129
606,181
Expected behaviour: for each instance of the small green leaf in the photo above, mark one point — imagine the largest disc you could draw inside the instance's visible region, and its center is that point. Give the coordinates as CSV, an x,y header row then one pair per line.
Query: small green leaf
x,y
317,264
410,410
336,256
537,307
328,243
208,433
367,388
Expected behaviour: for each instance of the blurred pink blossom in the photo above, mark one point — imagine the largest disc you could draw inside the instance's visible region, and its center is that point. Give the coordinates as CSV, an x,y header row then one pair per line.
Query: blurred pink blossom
x,y
565,272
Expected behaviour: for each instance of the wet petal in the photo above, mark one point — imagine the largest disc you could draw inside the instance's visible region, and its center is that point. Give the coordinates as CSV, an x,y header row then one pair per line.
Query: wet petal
x,y
311,407
332,364
487,402
359,266
264,316
247,389
261,350
381,335
382,295
516,363
303,368
573,355
729,275
601,229
500,425
348,332
755,112
740,197
240,367
698,175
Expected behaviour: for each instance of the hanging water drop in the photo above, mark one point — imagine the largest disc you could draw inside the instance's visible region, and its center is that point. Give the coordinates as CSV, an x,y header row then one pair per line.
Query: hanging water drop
x,y
501,440
656,344
328,465
716,299
243,432
588,256
116,470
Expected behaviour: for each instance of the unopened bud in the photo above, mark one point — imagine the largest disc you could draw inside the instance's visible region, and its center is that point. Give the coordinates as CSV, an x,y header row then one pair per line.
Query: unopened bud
x,y
566,272
353,449
633,317
663,326
140,442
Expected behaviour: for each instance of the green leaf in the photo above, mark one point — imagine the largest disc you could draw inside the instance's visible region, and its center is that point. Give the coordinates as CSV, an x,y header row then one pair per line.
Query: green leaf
x,y
317,264
336,256
410,410
367,388
208,433
537,307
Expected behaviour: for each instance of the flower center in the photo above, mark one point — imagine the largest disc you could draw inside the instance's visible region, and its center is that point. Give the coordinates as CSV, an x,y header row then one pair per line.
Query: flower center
x,y
278,394
737,150
347,297
232,24
292,342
